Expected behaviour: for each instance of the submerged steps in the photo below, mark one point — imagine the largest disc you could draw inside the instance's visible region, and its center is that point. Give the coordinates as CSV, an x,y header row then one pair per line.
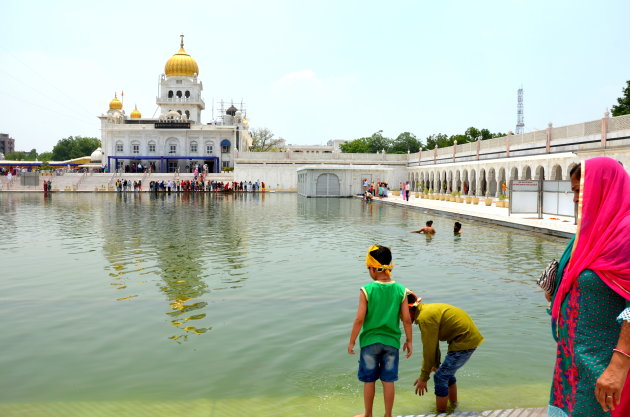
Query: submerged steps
x,y
518,412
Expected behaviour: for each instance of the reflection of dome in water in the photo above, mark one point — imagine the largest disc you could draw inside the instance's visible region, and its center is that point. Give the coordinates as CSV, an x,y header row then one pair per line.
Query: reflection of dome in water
x,y
135,114
97,155
115,104
181,64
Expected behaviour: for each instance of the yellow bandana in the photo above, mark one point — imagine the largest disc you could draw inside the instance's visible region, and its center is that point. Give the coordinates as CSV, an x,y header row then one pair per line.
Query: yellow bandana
x,y
373,263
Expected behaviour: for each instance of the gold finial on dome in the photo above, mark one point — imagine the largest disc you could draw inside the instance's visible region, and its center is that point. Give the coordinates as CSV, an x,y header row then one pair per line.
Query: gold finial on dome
x,y
181,64
135,114
115,104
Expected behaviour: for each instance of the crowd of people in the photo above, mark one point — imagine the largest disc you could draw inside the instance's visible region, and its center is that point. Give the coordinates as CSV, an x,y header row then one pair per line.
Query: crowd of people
x,y
589,300
198,184
371,189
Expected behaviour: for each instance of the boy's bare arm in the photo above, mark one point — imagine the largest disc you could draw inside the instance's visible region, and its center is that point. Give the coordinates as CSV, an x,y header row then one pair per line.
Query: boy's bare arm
x,y
358,322
406,319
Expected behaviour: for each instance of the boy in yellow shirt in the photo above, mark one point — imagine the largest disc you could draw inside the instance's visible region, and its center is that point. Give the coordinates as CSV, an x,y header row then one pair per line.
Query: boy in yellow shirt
x,y
444,322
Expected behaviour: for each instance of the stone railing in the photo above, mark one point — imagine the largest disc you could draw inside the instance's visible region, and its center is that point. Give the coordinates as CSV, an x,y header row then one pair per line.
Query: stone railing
x,y
531,143
283,157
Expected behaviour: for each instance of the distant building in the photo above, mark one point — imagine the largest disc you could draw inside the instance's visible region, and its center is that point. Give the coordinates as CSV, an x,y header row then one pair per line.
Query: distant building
x,y
332,146
176,140
7,144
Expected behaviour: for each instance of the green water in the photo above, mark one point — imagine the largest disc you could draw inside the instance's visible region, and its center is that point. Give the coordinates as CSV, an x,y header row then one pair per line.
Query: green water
x,y
204,305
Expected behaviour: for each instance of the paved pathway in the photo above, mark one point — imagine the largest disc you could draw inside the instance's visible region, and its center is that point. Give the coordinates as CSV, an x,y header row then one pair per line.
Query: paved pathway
x,y
518,412
552,225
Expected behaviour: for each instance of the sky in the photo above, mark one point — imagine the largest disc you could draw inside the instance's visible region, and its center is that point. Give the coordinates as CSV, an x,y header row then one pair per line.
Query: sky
x,y
315,71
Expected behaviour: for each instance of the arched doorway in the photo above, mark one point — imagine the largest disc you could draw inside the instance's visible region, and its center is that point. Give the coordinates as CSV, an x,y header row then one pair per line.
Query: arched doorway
x,y
492,183
556,173
327,186
483,183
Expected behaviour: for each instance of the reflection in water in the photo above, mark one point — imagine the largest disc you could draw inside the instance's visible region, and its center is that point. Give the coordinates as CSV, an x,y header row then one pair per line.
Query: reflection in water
x,y
185,239
257,272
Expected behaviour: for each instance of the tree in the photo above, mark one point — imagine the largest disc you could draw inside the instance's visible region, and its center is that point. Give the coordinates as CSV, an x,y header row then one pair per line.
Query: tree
x,y
22,155
370,144
440,140
378,142
360,145
623,106
405,142
263,141
45,156
473,133
74,147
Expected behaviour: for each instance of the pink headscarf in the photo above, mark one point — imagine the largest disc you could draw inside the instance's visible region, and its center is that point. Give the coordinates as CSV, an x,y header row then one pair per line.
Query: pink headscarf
x,y
602,241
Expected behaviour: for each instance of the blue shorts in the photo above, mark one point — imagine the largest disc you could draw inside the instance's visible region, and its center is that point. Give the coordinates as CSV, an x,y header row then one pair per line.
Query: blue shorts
x,y
378,361
445,375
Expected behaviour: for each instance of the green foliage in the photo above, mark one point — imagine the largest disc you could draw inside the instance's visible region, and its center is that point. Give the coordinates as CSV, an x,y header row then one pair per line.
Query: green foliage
x,y
623,106
74,147
371,144
22,155
45,156
470,135
405,142
264,141
360,145
227,169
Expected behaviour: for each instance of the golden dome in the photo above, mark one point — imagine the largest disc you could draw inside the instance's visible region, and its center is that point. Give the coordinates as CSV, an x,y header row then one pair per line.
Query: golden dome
x,y
181,63
115,104
135,114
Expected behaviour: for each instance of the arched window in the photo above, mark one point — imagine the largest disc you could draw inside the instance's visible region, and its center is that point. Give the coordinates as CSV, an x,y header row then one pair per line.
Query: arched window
x,y
225,146
193,146
187,114
209,148
171,146
187,94
180,112
119,147
135,148
151,146
170,94
179,94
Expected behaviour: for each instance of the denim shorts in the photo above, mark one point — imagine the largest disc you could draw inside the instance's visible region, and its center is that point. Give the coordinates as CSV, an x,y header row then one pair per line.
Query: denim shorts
x,y
378,361
445,375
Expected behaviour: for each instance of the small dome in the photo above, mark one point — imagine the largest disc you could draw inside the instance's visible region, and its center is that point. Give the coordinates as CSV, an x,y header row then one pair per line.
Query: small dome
x,y
115,104
173,113
232,110
181,64
97,155
135,114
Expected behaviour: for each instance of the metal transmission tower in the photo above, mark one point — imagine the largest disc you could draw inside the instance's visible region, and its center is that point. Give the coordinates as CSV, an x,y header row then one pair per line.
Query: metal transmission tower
x,y
520,123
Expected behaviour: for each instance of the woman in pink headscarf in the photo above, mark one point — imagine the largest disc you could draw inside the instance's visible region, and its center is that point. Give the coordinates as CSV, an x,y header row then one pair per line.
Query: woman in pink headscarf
x,y
590,314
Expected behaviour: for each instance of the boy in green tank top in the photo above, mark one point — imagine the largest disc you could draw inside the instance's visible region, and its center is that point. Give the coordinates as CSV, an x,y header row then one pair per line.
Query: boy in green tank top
x,y
381,306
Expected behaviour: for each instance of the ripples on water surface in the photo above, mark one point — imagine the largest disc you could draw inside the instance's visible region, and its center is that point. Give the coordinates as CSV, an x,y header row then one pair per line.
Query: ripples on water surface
x,y
221,305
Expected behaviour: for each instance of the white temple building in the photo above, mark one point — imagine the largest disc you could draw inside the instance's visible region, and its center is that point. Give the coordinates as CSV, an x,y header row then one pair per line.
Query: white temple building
x,y
177,140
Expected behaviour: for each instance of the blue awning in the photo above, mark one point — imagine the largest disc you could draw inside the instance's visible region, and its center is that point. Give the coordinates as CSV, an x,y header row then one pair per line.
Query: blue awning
x,y
225,142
